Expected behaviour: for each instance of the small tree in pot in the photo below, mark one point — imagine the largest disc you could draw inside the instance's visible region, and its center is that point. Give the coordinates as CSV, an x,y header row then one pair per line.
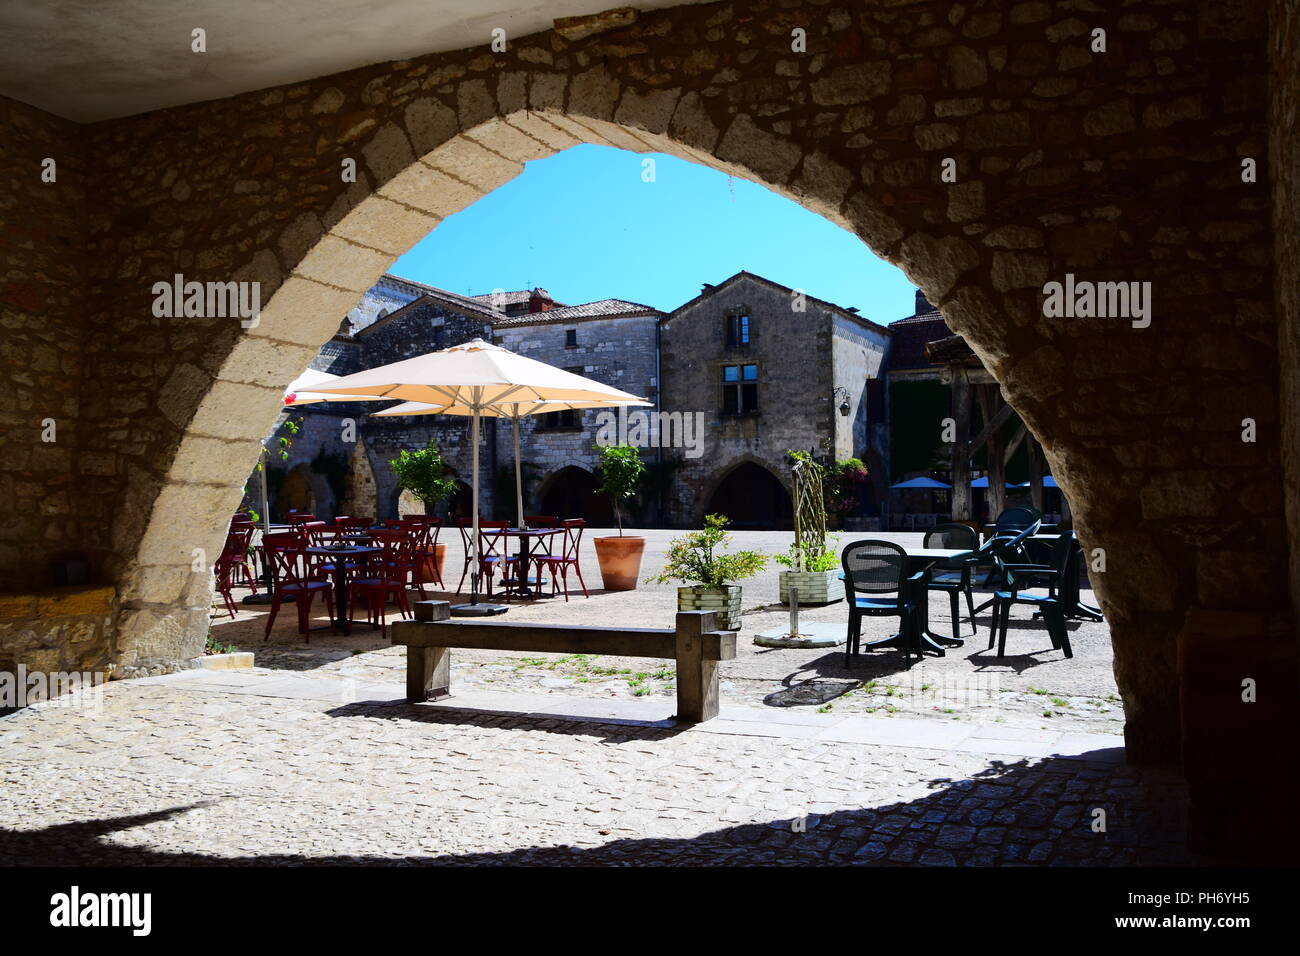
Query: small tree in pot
x,y
424,474
694,558
619,469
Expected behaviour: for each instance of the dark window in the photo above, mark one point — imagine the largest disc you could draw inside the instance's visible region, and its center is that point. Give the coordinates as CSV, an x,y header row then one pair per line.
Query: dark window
x,y
566,418
570,338
737,330
440,337
739,389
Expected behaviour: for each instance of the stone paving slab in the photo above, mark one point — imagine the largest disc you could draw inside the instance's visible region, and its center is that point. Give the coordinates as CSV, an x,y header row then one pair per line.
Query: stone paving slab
x,y
740,721
188,772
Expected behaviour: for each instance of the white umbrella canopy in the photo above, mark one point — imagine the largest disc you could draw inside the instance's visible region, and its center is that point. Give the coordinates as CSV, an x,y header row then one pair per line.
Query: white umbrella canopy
x,y
478,377
511,410
300,390
475,374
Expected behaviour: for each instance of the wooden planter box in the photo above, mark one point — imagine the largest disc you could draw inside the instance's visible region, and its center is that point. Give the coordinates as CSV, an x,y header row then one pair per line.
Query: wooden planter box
x,y
725,602
814,587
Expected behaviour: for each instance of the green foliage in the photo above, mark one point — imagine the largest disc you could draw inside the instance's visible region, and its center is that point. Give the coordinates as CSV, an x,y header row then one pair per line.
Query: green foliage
x,y
694,558
214,646
619,470
424,474
827,559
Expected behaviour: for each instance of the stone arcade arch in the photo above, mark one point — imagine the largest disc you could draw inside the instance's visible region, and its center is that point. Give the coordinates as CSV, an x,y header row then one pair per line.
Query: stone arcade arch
x,y
570,492
1064,161
751,495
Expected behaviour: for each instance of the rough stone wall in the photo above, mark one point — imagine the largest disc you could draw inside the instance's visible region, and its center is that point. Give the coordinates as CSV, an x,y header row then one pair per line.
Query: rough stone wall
x,y
44,511
1122,165
618,352
1284,167
793,352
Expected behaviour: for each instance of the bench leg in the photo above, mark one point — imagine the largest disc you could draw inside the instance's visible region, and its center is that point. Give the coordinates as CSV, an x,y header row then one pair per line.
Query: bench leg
x,y
428,673
697,679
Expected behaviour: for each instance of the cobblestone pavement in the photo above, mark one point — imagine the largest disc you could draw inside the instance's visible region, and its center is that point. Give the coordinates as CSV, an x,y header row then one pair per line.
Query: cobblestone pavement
x,y
261,767
1033,687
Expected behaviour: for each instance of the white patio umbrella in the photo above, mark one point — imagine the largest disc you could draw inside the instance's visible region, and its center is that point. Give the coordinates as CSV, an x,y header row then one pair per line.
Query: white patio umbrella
x,y
296,393
476,376
515,411
299,391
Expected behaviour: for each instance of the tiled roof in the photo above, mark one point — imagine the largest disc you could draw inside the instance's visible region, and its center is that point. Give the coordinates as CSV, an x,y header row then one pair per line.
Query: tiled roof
x,y
600,309
514,298
440,297
710,289
910,338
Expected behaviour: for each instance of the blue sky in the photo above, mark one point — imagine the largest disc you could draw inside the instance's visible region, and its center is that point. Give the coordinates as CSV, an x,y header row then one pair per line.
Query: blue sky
x,y
584,225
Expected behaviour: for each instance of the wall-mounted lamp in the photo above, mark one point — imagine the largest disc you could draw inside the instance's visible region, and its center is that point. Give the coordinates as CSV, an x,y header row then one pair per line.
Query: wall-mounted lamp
x,y
842,394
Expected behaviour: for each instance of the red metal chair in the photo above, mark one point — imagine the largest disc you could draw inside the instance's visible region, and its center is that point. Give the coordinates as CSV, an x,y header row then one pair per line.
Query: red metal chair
x,y
559,564
234,556
386,576
492,540
425,529
542,521
292,574
297,518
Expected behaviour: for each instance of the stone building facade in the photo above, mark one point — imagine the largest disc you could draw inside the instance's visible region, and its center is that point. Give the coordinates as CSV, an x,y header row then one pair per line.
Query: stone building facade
x,y
610,340
809,358
1069,160
761,363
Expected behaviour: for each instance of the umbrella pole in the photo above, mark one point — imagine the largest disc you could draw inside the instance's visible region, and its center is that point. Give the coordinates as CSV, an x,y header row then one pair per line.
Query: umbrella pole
x,y
268,579
519,485
478,560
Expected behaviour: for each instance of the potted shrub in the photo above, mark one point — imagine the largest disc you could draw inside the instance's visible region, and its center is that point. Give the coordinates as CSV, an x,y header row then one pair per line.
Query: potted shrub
x,y
619,469
812,565
424,474
695,558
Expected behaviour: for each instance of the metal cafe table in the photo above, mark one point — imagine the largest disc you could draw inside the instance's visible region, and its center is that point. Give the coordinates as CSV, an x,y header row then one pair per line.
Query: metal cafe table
x,y
919,637
1040,546
523,583
340,556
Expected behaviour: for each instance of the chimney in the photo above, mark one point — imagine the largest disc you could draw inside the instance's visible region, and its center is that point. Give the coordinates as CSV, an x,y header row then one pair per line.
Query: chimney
x,y
922,304
539,301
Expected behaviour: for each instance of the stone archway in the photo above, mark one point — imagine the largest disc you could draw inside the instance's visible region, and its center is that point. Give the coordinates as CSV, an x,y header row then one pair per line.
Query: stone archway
x,y
1063,162
295,494
408,504
570,492
751,496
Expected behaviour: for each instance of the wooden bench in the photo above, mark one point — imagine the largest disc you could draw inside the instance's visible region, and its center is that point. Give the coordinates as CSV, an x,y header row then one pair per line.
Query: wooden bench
x,y
694,644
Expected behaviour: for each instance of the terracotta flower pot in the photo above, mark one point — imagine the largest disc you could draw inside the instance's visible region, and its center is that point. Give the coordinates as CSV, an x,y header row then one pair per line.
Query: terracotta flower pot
x,y
434,561
620,561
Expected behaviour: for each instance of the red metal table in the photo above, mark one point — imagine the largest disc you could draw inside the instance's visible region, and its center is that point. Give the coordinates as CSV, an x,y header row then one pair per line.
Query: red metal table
x,y
340,556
